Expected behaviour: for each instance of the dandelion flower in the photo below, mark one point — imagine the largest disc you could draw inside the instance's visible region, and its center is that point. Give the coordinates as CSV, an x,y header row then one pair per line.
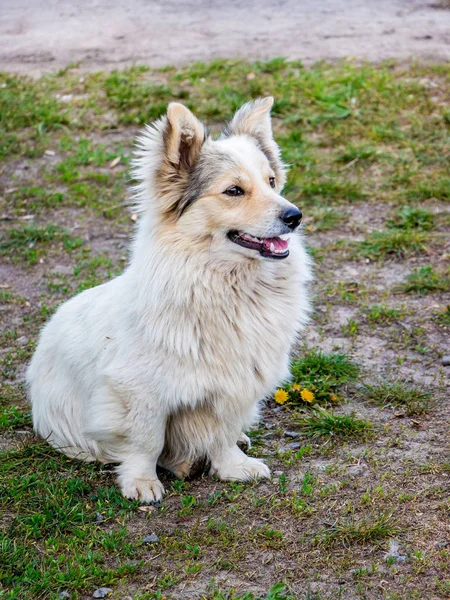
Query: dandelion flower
x,y
296,387
306,395
281,396
333,398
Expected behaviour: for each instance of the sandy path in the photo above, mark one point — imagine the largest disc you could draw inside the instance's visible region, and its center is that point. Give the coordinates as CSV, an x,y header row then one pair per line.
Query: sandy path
x,y
44,35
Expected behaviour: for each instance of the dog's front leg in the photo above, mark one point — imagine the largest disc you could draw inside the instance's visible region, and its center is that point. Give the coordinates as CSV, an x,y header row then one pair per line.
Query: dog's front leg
x,y
137,470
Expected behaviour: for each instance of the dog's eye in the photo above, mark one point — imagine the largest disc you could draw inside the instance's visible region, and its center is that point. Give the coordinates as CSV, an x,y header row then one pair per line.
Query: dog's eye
x,y
234,190
272,182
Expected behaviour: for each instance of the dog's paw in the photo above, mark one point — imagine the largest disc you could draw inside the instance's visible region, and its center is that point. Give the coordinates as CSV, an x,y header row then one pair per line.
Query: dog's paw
x,y
244,442
182,469
145,490
250,468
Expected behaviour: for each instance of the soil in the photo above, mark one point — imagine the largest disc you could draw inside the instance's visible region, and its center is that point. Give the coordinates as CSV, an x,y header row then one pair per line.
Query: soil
x,y
38,36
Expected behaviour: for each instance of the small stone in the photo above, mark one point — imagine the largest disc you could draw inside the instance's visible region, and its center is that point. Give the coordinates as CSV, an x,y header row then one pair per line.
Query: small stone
x,y
446,361
50,153
294,446
269,426
64,594
440,545
102,593
150,539
278,473
99,518
291,434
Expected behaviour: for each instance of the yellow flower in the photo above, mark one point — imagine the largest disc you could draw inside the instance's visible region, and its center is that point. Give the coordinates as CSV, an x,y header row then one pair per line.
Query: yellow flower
x,y
333,398
296,387
281,396
307,396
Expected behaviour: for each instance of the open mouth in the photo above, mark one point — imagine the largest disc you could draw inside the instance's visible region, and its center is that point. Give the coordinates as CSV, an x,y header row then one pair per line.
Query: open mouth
x,y
274,247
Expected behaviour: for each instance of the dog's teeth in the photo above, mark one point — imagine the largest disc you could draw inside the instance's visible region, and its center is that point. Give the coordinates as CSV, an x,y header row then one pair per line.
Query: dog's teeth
x,y
272,247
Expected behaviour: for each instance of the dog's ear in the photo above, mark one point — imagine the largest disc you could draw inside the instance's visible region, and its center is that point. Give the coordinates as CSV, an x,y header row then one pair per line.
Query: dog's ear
x,y
182,139
253,119
165,157
183,136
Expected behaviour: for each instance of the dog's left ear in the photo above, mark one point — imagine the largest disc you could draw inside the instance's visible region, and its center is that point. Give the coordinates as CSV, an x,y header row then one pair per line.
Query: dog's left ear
x,y
254,119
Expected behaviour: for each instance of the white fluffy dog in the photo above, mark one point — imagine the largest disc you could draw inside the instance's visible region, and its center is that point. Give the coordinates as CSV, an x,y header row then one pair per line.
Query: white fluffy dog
x,y
166,363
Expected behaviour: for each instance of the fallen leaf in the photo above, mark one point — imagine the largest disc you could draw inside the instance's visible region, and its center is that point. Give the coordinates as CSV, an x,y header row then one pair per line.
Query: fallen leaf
x,y
114,162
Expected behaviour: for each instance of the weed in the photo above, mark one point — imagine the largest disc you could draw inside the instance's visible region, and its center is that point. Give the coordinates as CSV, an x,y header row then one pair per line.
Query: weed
x,y
382,315
409,217
350,328
396,243
323,218
325,423
425,280
398,394
321,374
443,317
29,242
364,529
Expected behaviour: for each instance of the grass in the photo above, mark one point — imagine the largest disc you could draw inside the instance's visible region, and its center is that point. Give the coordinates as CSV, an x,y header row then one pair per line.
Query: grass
x,y
325,423
398,394
30,243
382,315
425,280
410,217
51,540
367,147
392,243
324,218
369,528
321,373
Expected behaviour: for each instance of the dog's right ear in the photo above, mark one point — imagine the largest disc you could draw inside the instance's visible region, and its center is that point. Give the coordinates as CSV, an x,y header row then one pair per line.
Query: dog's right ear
x,y
166,155
183,136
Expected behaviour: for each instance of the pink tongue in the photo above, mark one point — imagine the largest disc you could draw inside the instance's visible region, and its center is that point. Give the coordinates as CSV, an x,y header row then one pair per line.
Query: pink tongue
x,y
278,243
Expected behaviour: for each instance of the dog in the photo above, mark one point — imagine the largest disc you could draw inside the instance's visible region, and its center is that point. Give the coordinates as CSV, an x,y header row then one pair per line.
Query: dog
x,y
167,363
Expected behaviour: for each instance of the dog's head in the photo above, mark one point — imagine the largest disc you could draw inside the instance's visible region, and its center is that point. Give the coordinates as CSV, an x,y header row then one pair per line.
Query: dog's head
x,y
223,195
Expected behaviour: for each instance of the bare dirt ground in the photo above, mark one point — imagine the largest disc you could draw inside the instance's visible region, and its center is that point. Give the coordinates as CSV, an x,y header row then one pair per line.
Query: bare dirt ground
x,y
38,36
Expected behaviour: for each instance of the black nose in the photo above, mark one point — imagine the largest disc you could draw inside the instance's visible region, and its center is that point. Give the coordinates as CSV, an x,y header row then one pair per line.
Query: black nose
x,y
292,217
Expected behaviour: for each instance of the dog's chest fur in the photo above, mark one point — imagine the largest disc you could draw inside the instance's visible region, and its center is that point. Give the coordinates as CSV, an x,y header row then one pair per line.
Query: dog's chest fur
x,y
227,335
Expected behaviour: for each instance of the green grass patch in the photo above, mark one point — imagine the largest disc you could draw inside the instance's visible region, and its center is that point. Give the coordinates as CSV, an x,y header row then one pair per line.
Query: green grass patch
x,y
425,280
368,528
50,541
322,422
398,394
30,243
323,218
409,217
27,106
378,314
13,417
392,243
317,377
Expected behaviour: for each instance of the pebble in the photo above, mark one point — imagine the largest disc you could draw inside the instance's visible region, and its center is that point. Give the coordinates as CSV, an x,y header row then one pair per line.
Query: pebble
x,y
150,539
99,518
291,434
446,361
278,473
294,446
102,593
64,594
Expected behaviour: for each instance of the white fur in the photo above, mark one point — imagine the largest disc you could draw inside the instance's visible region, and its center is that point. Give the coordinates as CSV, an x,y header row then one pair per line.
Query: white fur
x,y
169,361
